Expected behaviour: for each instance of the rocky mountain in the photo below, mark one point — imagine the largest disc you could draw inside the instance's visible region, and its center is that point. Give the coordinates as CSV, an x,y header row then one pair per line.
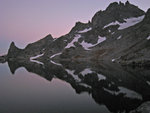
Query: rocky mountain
x,y
14,53
120,34
89,57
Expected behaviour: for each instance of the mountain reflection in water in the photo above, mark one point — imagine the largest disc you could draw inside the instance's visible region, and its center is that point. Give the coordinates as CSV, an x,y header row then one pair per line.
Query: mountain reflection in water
x,y
120,89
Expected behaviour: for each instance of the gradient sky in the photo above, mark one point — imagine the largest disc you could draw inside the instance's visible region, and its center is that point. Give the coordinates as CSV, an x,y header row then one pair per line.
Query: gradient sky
x,y
26,21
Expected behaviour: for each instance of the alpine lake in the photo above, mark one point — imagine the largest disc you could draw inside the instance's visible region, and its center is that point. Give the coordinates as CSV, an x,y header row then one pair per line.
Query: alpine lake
x,y
72,87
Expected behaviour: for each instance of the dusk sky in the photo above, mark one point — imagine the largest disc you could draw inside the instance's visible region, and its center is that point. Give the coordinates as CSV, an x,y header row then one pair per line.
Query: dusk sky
x,y
26,21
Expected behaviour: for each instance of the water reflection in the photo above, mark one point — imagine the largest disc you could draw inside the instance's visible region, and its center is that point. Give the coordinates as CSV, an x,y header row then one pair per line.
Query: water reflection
x,y
118,88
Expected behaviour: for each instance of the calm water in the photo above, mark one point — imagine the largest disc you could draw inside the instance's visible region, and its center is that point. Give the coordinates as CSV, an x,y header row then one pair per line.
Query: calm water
x,y
71,88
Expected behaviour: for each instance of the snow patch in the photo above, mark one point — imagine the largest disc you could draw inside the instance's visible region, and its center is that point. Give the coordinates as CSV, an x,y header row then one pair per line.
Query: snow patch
x,y
101,77
38,62
54,39
86,45
113,33
85,30
127,93
113,60
129,22
56,55
148,82
89,71
71,44
71,72
86,71
100,40
111,24
119,37
35,57
148,38
55,63
85,85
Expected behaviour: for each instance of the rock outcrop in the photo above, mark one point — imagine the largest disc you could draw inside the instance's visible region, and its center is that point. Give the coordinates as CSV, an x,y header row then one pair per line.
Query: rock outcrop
x,y
13,51
32,49
116,12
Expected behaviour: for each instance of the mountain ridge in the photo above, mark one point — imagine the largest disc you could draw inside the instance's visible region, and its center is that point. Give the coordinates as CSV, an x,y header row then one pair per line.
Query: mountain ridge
x,y
112,35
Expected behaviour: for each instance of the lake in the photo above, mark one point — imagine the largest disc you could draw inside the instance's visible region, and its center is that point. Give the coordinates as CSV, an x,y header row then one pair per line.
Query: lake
x,y
71,87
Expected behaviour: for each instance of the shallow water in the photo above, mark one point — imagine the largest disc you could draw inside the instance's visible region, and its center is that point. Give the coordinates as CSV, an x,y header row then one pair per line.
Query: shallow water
x,y
28,87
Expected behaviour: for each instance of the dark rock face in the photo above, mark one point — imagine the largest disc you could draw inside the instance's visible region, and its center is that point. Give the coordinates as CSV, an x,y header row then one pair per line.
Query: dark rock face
x,y
138,53
13,51
32,49
39,46
116,12
80,26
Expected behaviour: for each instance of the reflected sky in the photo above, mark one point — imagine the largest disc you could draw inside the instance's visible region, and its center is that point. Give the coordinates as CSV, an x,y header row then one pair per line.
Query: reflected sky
x,y
49,87
28,93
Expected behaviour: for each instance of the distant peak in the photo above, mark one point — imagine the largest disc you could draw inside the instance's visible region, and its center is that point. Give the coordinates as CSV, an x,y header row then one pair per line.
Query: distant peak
x,y
121,3
112,5
12,44
78,23
127,2
115,5
49,36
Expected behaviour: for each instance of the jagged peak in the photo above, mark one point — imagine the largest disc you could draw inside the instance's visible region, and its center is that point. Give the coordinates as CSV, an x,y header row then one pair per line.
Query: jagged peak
x,y
116,12
78,23
127,3
121,3
116,5
12,44
49,35
46,38
79,26
112,5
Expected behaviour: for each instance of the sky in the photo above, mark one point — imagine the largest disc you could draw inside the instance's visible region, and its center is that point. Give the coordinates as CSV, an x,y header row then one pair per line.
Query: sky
x,y
26,21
